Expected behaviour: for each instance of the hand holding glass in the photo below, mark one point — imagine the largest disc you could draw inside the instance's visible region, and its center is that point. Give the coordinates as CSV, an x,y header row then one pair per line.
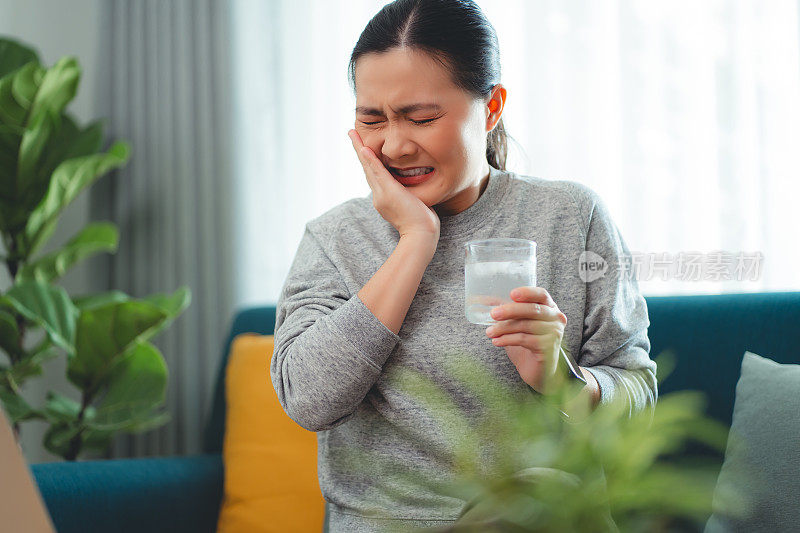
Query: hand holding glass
x,y
492,269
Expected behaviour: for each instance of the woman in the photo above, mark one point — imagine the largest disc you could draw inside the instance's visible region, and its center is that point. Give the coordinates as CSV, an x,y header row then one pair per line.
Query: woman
x,y
377,282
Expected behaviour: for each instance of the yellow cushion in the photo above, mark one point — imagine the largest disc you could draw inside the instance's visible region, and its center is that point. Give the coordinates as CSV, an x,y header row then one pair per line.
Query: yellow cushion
x,y
270,462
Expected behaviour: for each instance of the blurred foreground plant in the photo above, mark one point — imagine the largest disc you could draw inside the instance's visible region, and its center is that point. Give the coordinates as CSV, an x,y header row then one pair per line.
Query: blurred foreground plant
x,y
551,464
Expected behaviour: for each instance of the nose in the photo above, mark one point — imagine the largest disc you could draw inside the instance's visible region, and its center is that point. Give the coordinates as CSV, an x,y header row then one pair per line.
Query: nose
x,y
397,144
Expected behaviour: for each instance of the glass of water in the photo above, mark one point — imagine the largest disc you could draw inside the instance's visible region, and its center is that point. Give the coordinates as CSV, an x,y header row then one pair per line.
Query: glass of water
x,y
492,269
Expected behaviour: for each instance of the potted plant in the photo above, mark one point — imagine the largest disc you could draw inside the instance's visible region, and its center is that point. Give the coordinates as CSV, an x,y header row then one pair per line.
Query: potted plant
x,y
535,463
46,160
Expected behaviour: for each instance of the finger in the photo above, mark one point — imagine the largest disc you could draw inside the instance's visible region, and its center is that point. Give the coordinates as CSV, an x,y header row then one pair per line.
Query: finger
x,y
532,311
537,295
367,157
512,339
361,153
358,142
362,150
535,343
485,299
355,138
533,327
372,161
358,146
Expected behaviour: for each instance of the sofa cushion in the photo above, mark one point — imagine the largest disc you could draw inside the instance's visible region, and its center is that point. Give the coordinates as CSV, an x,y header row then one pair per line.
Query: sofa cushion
x,y
270,461
759,486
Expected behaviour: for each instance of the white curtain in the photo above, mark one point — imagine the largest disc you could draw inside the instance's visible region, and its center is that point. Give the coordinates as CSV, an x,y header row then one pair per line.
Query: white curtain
x,y
684,116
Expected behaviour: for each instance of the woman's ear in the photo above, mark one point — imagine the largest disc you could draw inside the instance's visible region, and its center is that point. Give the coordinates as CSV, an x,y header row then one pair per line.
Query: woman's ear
x,y
494,106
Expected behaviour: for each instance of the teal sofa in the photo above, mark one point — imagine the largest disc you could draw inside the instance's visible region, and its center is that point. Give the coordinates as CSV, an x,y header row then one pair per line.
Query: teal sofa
x,y
709,335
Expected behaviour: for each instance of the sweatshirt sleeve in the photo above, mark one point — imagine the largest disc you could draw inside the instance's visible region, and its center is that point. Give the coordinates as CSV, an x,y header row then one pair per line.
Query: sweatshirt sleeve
x,y
615,346
329,347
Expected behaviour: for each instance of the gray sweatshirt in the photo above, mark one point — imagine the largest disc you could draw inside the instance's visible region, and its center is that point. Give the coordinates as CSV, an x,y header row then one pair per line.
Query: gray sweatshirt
x,y
333,357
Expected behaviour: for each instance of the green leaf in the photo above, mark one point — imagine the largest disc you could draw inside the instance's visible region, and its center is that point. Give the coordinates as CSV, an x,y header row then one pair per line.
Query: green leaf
x,y
96,439
455,428
9,148
93,301
666,362
49,307
173,304
67,141
86,142
31,365
63,414
29,180
58,437
9,143
94,238
139,422
68,180
152,421
136,385
15,405
24,86
14,55
57,88
36,136
60,409
478,380
9,334
104,335
17,92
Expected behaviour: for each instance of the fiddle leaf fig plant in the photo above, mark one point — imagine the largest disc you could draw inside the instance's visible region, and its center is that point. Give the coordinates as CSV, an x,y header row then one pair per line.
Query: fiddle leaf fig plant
x,y
46,161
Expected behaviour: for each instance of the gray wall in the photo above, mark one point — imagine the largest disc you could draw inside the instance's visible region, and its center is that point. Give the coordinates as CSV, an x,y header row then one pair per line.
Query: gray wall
x,y
56,28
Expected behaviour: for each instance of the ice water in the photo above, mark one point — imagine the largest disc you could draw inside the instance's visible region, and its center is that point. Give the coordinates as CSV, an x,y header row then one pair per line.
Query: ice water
x,y
488,284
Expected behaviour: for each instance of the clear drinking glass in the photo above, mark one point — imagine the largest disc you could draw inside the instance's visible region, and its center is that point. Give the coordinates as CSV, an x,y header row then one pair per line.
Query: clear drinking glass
x,y
492,269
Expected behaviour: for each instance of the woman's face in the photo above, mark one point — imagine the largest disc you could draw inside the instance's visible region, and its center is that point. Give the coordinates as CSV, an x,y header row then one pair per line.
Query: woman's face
x,y
409,112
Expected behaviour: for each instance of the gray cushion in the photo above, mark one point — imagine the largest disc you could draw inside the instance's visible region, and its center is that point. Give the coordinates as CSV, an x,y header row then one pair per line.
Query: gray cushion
x,y
759,485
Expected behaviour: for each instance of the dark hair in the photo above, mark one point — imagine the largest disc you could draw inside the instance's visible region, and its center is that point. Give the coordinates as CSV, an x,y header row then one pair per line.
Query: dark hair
x,y
453,32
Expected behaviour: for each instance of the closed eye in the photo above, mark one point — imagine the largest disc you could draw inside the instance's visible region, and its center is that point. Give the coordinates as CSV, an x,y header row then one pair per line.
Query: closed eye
x,y
412,120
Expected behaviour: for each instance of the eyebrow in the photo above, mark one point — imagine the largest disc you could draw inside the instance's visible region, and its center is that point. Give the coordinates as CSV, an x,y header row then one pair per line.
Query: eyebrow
x,y
405,110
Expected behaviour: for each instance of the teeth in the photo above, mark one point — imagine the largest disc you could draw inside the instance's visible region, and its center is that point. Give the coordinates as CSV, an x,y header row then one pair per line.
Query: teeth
x,y
413,172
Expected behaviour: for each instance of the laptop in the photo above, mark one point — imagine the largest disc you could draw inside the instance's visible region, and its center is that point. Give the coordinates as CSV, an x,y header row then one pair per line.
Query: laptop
x,y
21,505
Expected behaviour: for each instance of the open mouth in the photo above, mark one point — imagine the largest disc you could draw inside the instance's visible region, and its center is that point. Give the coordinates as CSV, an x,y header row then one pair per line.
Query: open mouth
x,y
417,171
413,176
